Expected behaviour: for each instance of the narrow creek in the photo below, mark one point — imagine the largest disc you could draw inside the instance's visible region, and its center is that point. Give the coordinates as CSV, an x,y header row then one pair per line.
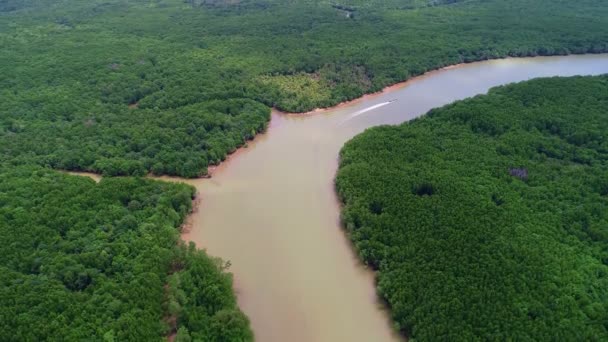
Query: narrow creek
x,y
272,211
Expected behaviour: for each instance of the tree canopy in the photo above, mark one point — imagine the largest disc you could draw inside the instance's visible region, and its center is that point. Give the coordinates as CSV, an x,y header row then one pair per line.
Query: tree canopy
x,y
87,261
131,87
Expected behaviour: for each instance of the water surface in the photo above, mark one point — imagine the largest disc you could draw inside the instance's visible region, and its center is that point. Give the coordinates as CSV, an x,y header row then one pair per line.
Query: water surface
x,y
272,211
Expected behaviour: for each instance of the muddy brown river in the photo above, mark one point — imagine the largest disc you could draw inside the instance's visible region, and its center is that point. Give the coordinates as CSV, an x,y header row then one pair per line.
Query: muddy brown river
x,y
271,208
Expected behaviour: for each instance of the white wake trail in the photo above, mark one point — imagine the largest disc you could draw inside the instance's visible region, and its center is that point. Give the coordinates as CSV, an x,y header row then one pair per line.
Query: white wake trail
x,y
365,110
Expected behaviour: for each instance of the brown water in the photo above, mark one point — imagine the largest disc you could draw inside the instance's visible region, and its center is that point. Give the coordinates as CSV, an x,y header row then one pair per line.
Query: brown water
x,y
272,211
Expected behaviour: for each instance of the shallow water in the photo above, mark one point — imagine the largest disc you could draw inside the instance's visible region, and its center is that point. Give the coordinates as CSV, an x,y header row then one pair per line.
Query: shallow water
x,y
272,211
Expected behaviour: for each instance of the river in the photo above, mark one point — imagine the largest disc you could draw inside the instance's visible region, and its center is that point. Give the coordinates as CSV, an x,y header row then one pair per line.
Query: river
x,y
272,211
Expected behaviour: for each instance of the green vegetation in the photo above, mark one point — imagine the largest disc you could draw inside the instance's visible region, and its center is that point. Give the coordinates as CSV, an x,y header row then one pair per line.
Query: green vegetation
x,y
199,75
487,219
129,87
86,261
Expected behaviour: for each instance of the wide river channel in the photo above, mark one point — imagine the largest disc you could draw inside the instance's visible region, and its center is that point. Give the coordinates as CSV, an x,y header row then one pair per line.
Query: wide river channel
x,y
271,209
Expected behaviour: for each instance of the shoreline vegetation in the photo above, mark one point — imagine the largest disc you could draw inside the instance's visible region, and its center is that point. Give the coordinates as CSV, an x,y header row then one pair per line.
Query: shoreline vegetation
x,y
402,84
496,206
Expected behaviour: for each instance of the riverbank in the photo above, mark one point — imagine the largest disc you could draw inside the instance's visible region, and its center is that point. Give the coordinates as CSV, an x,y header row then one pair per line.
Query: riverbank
x,y
429,73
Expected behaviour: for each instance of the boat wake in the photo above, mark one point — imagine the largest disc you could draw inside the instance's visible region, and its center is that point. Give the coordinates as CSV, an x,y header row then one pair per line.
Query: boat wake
x,y
365,110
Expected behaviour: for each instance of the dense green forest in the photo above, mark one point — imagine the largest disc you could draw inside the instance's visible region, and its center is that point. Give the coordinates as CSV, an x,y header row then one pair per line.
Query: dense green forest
x,y
86,261
171,86
487,219
130,87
